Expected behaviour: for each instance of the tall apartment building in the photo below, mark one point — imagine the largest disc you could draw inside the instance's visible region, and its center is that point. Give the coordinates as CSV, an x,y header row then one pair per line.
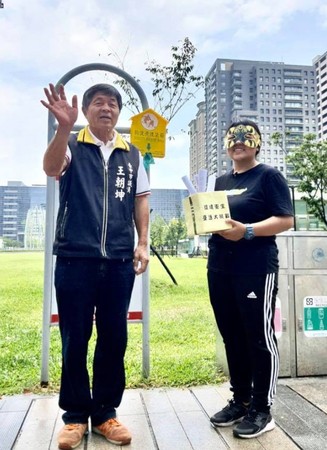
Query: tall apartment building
x,y
320,63
197,155
278,97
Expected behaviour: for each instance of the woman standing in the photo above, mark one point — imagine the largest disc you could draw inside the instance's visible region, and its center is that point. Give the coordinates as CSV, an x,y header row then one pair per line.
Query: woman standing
x,y
243,280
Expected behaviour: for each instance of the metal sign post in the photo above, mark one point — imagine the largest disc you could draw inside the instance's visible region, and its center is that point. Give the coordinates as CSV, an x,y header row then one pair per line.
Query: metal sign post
x,y
51,210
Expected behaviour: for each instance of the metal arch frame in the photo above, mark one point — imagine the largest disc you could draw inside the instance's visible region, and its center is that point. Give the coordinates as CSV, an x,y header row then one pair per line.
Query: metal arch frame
x,y
108,68
51,208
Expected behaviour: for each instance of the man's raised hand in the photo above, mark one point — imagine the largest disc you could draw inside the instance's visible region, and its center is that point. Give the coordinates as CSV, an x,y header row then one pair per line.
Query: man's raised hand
x,y
65,114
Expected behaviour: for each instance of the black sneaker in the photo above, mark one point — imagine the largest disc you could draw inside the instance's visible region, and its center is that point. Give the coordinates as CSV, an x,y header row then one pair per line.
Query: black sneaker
x,y
254,424
232,413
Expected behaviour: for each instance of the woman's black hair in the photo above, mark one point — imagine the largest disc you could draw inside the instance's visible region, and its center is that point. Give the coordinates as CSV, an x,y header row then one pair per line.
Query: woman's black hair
x,y
102,88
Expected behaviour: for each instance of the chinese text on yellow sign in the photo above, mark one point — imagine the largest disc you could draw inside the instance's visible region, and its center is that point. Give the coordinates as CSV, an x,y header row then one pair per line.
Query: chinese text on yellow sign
x,y
148,133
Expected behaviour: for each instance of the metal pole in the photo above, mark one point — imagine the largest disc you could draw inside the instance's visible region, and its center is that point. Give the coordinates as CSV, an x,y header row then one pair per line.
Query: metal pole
x,y
293,204
146,311
146,324
163,263
48,266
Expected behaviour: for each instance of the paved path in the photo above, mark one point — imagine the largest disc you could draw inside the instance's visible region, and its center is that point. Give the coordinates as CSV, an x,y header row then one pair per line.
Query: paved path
x,y
176,419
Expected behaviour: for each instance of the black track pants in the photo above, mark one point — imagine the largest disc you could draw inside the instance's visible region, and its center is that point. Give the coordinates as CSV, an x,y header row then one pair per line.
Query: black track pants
x,y
244,308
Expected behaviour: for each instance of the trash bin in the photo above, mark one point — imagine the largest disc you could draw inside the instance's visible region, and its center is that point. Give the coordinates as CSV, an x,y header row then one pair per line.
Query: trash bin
x,y
309,273
301,306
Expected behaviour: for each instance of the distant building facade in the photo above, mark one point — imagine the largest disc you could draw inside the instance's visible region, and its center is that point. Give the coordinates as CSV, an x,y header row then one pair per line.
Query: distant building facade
x,y
34,236
197,154
22,211
16,200
167,203
320,63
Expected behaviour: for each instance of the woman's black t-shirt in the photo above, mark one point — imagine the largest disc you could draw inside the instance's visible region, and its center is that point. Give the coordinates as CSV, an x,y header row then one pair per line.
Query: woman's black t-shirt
x,y
253,196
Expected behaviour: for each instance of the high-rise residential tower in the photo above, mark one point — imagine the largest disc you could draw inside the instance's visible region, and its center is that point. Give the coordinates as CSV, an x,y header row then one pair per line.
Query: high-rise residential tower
x,y
197,156
320,63
278,97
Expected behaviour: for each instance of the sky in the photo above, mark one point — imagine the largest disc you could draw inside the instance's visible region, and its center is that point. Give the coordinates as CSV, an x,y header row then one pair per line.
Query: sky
x,y
42,40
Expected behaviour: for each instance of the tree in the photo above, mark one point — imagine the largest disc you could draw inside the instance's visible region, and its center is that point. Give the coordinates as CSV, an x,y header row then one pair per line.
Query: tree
x,y
158,232
176,231
283,140
11,243
280,139
309,163
174,85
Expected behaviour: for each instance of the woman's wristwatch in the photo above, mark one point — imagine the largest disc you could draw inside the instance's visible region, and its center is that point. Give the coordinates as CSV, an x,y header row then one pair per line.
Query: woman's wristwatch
x,y
249,232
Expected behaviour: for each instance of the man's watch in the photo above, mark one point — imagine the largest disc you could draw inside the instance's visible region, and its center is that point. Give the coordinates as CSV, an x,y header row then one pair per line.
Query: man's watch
x,y
249,232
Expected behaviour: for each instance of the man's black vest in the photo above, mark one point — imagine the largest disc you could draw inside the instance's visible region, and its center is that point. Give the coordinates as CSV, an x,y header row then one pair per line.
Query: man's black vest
x,y
95,217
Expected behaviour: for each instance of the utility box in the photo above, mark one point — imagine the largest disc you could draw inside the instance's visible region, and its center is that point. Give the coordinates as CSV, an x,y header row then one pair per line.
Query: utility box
x,y
301,306
306,272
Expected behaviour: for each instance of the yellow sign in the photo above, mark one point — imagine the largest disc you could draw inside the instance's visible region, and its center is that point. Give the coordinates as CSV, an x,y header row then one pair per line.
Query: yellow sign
x,y
148,133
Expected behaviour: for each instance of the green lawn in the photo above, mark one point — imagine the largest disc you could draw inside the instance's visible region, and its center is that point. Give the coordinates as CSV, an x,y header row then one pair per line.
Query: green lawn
x,y
182,329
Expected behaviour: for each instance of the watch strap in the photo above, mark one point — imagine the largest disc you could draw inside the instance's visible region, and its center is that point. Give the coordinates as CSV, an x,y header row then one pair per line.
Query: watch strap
x,y
249,232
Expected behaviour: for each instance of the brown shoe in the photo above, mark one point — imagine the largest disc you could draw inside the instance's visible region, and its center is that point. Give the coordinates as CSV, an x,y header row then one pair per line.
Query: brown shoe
x,y
71,435
114,431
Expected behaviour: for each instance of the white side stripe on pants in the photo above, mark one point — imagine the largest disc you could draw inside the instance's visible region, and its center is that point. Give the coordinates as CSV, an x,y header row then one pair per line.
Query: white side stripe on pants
x,y
269,333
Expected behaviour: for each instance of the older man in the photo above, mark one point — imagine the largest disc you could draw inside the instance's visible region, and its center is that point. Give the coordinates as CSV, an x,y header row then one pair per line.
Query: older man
x,y
103,195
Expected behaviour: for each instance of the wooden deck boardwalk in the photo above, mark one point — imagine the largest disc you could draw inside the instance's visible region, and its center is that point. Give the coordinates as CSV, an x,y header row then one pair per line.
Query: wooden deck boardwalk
x,y
176,419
